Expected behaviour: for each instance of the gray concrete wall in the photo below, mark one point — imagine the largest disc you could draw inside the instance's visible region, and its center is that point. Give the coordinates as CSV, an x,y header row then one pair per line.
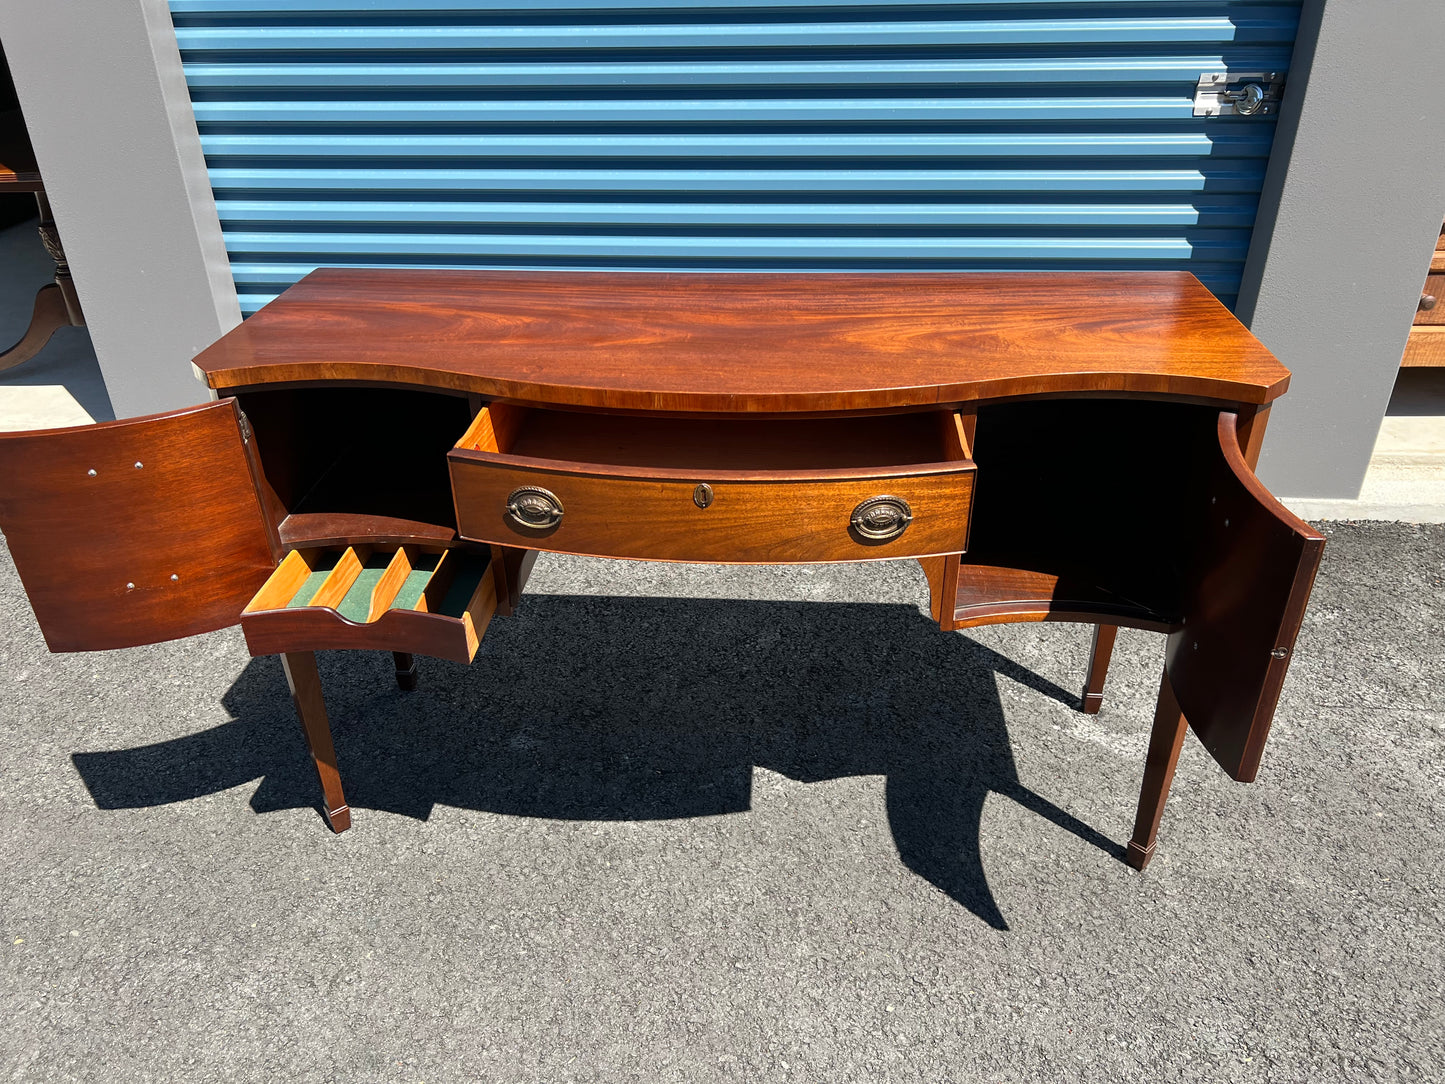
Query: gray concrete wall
x,y
1349,216
101,87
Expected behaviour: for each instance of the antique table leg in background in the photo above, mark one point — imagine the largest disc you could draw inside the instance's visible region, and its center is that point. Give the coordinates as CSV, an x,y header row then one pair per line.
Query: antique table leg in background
x,y
56,305
405,670
1165,742
305,682
1098,667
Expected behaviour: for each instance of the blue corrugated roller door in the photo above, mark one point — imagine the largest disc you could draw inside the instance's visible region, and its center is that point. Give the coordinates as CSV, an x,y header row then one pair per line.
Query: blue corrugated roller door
x,y
797,135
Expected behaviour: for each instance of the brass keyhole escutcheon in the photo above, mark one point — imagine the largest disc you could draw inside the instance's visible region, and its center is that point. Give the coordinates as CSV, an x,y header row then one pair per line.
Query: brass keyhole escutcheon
x,y
880,519
702,495
534,508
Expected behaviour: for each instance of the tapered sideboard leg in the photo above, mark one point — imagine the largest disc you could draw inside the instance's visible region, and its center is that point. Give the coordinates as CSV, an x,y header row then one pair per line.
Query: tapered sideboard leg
x,y
405,670
1165,742
1099,656
305,682
510,568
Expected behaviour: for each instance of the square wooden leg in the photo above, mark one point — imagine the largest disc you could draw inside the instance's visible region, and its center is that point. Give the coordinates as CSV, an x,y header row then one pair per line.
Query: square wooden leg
x,y
1165,741
510,568
1099,656
405,670
942,575
305,683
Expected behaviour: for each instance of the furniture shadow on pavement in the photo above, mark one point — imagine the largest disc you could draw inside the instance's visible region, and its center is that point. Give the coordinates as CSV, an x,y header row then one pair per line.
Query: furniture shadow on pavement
x,y
595,707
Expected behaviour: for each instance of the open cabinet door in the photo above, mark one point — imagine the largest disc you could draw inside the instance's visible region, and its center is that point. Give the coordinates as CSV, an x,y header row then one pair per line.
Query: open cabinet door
x,y
136,531
1255,566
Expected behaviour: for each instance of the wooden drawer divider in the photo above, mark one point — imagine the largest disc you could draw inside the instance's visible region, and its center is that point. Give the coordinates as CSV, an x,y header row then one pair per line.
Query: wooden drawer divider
x,y
410,599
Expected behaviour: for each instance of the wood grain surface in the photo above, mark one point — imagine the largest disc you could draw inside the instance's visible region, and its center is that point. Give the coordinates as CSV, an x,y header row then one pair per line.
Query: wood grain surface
x,y
1244,605
780,491
722,343
274,628
136,531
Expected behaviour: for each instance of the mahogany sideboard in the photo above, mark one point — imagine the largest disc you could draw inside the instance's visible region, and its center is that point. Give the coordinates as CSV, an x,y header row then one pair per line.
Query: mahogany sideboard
x,y
393,447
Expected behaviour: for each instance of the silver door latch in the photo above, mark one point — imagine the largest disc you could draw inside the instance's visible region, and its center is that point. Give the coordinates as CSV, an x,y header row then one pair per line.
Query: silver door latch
x,y
1238,94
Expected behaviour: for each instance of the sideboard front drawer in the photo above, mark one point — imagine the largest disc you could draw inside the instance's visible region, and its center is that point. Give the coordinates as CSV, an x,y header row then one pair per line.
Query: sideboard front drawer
x,y
759,490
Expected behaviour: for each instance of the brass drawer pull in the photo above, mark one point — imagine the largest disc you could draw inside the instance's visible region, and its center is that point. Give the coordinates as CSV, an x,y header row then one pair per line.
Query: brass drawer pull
x,y
880,519
534,508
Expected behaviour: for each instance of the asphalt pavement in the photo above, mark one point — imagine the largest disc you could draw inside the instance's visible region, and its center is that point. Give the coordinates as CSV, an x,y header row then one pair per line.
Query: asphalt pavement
x,y
694,824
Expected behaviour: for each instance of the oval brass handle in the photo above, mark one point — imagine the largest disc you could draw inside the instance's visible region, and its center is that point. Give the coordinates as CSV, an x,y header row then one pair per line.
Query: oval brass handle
x,y
1427,302
534,508
880,519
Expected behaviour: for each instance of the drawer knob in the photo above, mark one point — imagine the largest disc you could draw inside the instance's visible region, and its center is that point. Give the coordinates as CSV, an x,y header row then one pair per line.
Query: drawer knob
x,y
1427,302
880,519
534,508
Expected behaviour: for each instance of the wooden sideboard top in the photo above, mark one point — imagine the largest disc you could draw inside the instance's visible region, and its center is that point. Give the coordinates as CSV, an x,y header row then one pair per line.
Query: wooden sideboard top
x,y
724,342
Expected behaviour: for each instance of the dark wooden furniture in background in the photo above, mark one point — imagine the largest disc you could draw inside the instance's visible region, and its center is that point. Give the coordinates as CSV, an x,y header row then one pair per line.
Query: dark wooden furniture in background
x,y
1426,346
56,304
396,446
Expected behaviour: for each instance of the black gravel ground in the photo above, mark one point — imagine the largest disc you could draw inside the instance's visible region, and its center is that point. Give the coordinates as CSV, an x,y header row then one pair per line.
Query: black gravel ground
x,y
696,824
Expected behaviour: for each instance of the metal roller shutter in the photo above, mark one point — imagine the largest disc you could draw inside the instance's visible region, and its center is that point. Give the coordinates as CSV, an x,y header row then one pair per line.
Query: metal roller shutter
x,y
1012,135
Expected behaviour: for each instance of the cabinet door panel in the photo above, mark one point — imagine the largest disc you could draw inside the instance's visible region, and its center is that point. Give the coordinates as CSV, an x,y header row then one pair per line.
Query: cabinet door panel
x,y
1243,610
136,531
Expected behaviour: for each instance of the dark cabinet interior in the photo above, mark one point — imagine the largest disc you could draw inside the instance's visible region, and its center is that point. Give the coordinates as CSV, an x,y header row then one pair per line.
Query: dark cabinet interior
x,y
335,456
1102,501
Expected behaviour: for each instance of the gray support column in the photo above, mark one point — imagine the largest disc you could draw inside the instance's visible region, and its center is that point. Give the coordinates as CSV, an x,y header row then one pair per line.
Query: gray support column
x,y
103,95
1350,211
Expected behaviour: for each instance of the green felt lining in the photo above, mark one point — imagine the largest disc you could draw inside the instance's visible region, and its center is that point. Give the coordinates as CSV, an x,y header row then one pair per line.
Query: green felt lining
x,y
314,581
357,603
416,581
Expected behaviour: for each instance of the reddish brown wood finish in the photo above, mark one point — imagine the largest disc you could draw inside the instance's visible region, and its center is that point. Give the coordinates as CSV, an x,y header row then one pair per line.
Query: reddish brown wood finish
x,y
1099,653
319,627
1250,424
305,683
634,505
166,538
722,342
994,595
759,522
339,529
510,569
274,632
942,576
49,315
1245,604
492,430
1165,742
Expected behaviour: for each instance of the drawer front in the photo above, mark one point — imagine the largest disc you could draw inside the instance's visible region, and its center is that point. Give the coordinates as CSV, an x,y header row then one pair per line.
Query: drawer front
x,y
734,520
374,598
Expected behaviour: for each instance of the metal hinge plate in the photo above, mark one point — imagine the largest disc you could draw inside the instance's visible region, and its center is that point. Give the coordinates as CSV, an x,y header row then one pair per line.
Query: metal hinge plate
x,y
1238,94
245,424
